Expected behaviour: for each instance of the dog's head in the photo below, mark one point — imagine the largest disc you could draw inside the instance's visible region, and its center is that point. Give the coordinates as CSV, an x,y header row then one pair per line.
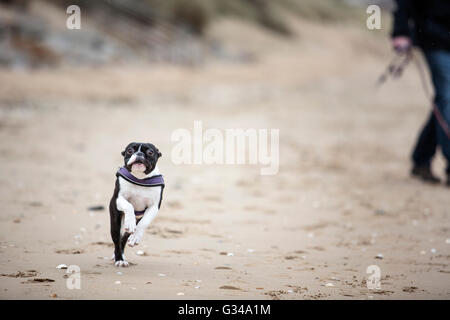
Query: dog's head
x,y
141,157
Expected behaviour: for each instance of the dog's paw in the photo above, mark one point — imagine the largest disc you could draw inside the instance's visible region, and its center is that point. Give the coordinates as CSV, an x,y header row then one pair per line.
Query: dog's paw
x,y
113,257
135,238
121,263
129,224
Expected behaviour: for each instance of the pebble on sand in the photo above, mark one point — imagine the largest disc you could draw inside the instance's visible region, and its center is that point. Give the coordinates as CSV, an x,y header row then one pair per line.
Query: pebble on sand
x,y
161,274
180,294
117,282
379,256
329,284
61,266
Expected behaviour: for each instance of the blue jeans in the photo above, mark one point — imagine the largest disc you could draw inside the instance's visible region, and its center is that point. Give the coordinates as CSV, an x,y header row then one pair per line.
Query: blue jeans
x,y
433,134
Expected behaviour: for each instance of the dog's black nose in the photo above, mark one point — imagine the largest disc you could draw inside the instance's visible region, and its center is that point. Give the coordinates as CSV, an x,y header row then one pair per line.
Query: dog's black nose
x,y
140,154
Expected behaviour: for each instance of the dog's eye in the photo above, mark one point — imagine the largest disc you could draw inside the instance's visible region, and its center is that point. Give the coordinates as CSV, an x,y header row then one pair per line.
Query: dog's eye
x,y
130,151
150,152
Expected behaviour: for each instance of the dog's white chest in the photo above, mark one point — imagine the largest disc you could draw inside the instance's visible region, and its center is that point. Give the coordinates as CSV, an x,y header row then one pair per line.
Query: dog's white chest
x,y
140,197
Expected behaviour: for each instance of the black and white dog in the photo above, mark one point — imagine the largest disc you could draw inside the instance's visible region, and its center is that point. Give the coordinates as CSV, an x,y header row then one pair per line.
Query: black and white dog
x,y
136,199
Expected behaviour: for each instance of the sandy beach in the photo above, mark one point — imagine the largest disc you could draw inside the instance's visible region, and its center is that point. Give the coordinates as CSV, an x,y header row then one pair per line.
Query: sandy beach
x,y
342,200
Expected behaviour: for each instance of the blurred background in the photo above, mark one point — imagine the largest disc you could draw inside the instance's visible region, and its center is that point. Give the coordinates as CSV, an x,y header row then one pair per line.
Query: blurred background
x,y
71,100
151,31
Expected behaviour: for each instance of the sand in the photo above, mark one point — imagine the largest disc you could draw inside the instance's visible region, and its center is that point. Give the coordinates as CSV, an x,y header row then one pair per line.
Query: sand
x,y
342,197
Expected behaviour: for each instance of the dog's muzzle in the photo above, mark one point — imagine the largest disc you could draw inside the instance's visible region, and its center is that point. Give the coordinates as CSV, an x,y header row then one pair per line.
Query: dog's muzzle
x,y
137,162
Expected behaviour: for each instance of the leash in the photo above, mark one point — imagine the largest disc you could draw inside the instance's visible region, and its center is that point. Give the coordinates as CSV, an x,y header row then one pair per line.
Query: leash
x,y
395,70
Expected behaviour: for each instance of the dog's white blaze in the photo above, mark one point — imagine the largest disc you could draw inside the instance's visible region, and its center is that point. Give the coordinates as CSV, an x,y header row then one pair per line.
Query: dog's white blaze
x,y
132,159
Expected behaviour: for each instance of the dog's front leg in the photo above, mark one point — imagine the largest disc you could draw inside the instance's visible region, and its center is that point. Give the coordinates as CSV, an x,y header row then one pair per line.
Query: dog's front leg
x,y
129,220
143,224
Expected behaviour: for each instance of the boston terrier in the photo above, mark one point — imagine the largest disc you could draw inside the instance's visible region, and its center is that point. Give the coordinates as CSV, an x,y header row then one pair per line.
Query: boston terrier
x,y
136,199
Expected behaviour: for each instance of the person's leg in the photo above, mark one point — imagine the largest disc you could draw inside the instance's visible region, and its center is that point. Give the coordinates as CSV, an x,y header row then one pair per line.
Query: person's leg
x,y
439,63
424,151
426,144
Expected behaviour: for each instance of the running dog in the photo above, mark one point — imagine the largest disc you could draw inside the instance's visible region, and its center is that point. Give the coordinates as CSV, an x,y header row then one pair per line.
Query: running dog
x,y
136,199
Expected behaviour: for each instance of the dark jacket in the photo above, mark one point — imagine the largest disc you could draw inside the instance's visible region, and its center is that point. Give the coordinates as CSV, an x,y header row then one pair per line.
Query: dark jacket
x,y
426,22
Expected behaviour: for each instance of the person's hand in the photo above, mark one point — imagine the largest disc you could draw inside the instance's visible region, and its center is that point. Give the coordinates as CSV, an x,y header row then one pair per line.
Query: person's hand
x,y
401,44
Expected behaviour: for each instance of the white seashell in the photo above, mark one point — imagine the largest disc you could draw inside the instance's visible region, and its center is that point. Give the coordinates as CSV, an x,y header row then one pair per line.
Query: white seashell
x,y
61,266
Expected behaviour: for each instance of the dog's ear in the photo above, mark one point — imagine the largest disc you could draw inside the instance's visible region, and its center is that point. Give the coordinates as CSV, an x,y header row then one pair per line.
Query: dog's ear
x,y
122,153
158,153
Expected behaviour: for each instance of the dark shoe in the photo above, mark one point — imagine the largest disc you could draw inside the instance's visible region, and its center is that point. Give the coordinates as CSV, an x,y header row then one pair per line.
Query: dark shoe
x,y
424,173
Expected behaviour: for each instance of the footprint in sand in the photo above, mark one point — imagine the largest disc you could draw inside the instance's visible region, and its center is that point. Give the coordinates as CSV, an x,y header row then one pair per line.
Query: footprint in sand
x,y
230,288
39,280
223,268
411,289
102,243
22,274
166,233
275,294
69,251
318,248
